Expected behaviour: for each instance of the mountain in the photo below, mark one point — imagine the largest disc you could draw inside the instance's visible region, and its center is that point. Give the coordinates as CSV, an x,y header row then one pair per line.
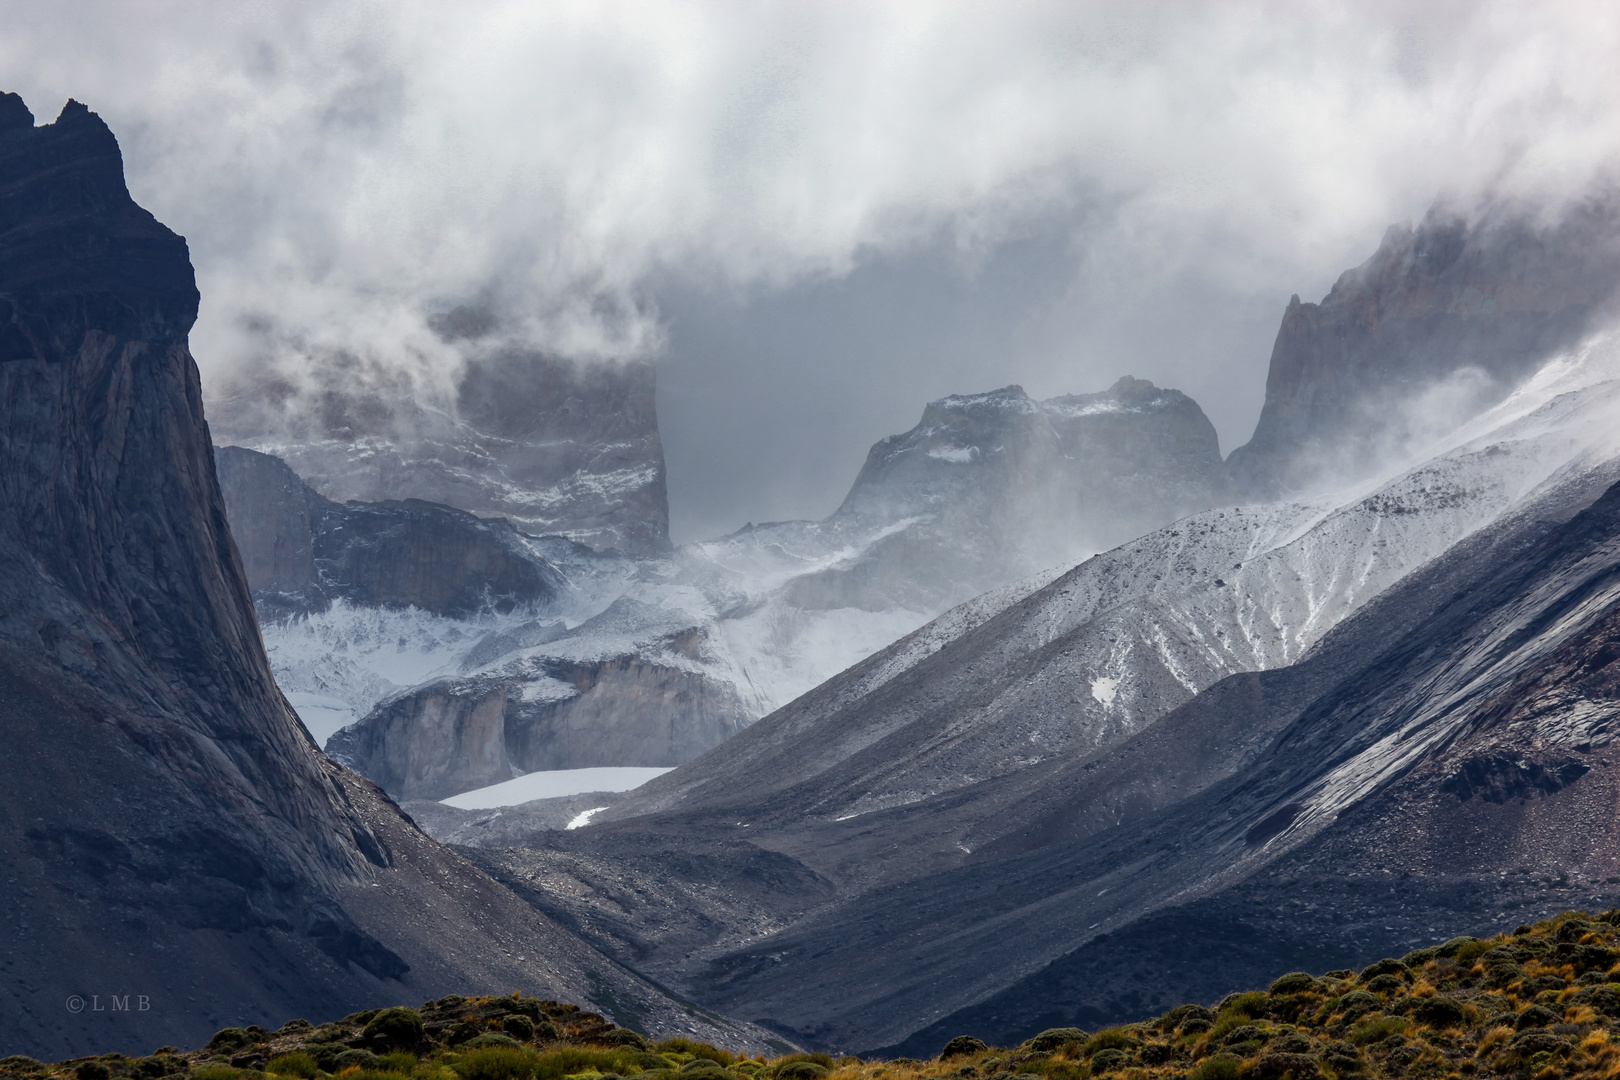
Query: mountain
x,y
555,447
301,552
662,660
1006,818
169,834
1444,319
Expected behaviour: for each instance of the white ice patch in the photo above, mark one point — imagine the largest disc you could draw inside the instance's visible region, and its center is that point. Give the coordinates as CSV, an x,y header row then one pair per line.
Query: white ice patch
x,y
554,784
959,455
1103,689
581,820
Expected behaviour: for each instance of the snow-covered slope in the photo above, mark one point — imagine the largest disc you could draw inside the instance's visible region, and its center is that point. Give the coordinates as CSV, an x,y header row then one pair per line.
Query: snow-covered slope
x,y
1109,647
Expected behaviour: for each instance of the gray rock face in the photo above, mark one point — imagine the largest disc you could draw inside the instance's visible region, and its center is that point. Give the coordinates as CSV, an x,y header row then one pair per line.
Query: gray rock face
x,y
623,688
1004,485
1443,320
167,830
302,551
553,446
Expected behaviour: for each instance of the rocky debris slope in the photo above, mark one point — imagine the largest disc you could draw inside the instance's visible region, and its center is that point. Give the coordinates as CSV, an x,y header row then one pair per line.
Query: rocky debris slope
x,y
1442,321
973,832
553,446
168,832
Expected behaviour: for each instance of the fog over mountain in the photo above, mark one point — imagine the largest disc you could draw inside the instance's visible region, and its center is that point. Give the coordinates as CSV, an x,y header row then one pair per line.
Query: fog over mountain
x,y
812,217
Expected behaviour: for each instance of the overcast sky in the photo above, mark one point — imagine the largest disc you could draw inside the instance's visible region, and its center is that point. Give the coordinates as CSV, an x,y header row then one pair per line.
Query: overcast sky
x,y
816,216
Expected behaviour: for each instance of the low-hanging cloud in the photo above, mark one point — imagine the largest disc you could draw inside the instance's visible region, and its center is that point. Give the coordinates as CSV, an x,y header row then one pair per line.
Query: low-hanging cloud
x,y
344,171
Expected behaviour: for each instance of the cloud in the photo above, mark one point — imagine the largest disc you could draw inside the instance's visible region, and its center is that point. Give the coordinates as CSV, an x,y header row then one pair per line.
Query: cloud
x,y
345,170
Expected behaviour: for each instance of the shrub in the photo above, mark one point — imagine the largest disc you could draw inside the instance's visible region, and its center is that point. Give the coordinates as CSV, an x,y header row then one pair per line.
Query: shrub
x,y
1195,1025
92,1070
491,1038
1385,984
1182,1013
324,1053
1250,1003
1377,1029
702,1050
1107,1060
400,1061
214,1071
362,1059
1107,1039
496,1063
1295,982
394,1029
520,1027
296,1064
645,1061
293,1027
1285,1066
1386,966
1218,1067
961,1046
227,1039
1358,1000
1244,1033
1157,1053
625,1037
802,1070
1052,1038
1439,1011
1536,1016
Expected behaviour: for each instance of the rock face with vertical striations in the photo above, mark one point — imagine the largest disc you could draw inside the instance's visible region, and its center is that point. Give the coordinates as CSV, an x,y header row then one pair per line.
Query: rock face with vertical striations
x,y
1443,321
169,835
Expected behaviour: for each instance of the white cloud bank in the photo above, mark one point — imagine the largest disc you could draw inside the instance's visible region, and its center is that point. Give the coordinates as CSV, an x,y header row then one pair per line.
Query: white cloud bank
x,y
343,169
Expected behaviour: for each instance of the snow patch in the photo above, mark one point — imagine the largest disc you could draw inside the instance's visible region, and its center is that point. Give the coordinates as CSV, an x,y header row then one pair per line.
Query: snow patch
x,y
959,455
579,821
1104,689
554,784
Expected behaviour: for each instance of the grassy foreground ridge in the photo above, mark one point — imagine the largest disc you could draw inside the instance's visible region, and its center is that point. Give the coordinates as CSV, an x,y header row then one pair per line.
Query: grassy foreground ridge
x,y
1542,1002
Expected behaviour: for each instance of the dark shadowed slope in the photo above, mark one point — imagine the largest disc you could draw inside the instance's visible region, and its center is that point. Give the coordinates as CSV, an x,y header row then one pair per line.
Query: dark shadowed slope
x,y
167,830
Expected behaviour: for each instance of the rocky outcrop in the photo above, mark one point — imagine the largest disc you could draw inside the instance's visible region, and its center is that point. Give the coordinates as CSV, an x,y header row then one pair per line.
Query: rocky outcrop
x,y
555,447
168,833
570,700
1443,321
302,551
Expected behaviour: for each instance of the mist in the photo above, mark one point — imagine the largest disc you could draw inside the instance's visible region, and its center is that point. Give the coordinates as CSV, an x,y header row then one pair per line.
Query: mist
x,y
815,218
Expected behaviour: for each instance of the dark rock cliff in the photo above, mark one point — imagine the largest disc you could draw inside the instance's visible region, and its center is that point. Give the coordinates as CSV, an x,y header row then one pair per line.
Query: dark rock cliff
x,y
169,836
302,551
1442,322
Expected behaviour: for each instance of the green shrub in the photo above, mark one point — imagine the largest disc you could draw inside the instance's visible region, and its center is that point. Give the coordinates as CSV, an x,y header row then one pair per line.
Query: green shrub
x,y
1439,1011
1536,1016
92,1070
1052,1038
400,1061
1106,1039
491,1038
1218,1067
20,1063
1385,984
645,1061
625,1037
1358,1001
961,1046
1250,1003
697,1049
357,1059
559,1061
213,1072
518,1026
227,1039
1107,1060
397,1028
801,1070
1157,1053
1195,1025
1377,1029
1274,1066
496,1063
1386,966
1295,982
325,1054
297,1064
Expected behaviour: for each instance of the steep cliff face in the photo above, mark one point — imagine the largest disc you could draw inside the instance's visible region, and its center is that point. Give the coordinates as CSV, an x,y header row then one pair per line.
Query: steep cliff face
x,y
554,446
302,551
1016,485
1442,321
168,833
